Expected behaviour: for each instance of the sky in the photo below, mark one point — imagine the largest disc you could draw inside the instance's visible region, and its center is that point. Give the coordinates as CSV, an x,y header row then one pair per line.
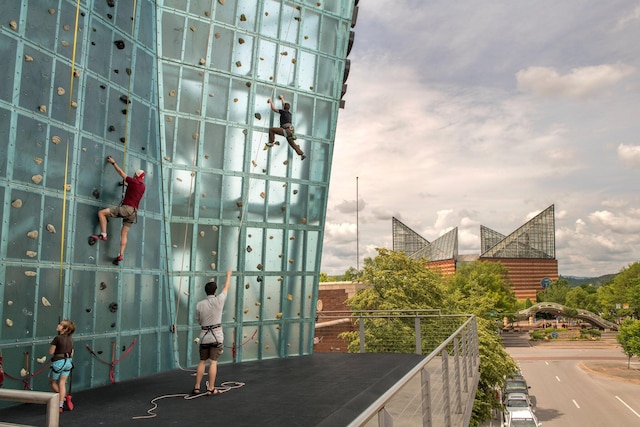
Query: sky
x,y
466,113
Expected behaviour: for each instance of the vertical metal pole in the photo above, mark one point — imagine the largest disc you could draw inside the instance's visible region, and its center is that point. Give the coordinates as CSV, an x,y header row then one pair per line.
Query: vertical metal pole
x,y
418,335
361,334
426,398
445,389
357,228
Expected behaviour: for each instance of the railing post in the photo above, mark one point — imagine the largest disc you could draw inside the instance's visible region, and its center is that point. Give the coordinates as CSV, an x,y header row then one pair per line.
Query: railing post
x,y
445,389
361,334
465,358
418,335
427,420
456,374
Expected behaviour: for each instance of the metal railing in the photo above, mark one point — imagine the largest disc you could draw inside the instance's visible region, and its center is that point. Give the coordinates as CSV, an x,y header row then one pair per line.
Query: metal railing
x,y
28,396
440,390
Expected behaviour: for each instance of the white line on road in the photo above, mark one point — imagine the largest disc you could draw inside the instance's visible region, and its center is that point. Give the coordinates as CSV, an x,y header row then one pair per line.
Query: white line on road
x,y
628,407
558,378
575,403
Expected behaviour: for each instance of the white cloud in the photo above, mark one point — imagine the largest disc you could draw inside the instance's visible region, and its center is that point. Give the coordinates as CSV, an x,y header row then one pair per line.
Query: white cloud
x,y
630,154
580,82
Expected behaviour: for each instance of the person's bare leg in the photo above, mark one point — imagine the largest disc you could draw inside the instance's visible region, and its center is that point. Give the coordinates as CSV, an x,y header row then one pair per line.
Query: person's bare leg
x,y
123,239
103,214
63,388
199,374
213,370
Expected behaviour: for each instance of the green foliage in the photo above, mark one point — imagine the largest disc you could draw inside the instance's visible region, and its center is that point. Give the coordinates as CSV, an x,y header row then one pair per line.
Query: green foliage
x,y
401,283
629,338
324,277
556,292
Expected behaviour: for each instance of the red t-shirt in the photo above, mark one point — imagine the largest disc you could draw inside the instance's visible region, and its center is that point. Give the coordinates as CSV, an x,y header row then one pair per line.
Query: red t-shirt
x,y
135,191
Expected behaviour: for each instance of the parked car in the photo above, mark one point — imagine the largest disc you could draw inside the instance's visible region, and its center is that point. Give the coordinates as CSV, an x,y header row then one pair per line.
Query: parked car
x,y
521,418
517,402
515,385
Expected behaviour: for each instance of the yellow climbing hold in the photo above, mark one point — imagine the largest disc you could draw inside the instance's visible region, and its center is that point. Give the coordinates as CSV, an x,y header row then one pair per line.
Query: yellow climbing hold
x,y
17,203
32,254
29,273
33,234
290,297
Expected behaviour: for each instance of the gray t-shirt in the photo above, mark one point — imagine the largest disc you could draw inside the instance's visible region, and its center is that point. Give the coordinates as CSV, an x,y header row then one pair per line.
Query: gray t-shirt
x,y
209,313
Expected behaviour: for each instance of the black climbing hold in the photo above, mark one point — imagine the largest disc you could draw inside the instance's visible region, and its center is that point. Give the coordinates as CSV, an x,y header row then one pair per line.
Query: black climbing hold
x,y
103,286
125,99
88,310
110,16
249,248
93,43
116,71
92,241
96,193
119,44
99,351
124,348
111,3
142,148
128,71
124,111
113,307
123,140
258,116
112,128
113,325
259,279
103,87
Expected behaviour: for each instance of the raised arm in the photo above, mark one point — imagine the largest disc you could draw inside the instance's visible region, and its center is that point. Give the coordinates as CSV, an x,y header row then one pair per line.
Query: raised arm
x,y
228,282
273,107
117,168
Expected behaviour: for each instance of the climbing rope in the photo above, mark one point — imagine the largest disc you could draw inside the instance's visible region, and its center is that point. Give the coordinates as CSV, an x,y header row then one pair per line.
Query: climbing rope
x,y
114,361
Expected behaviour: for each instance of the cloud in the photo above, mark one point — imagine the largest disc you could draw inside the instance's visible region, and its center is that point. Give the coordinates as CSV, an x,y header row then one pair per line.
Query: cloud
x,y
630,18
579,83
629,154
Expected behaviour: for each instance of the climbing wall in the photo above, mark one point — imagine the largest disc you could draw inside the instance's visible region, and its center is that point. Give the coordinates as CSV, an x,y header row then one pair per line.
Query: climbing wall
x,y
178,88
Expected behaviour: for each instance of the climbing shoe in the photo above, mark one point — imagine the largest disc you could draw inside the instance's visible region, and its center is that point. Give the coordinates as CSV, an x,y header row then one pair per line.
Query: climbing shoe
x,y
99,237
302,157
269,144
116,260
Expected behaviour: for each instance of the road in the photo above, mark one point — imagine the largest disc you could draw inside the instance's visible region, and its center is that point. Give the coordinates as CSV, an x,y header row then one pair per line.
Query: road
x,y
567,395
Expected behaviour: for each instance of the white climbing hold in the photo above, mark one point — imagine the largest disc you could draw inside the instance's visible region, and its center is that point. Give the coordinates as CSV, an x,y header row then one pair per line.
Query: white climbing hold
x,y
37,179
174,246
51,229
33,234
23,372
203,61
201,233
213,265
9,303
32,254
42,359
61,91
28,58
30,273
214,253
9,322
17,203
196,340
289,297
37,160
195,136
45,302
42,108
13,25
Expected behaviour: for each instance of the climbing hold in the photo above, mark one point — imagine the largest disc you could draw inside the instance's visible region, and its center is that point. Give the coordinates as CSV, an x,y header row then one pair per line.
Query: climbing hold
x,y
172,92
206,13
17,203
88,310
292,238
259,266
45,302
96,193
125,99
110,16
262,194
290,297
30,273
128,71
52,11
248,84
113,325
32,254
291,261
258,304
111,3
203,61
283,208
64,43
51,228
124,111
246,310
76,73
286,162
24,372
245,132
113,307
295,191
61,91
123,139
42,359
213,265
9,303
278,315
293,60
201,233
67,187
238,64
28,58
179,179
42,108
174,246
239,203
66,27
241,40
303,220
103,286
33,234
214,253
249,248
37,160
284,184
9,322
243,18
258,116
195,136
285,53
74,104
280,279
56,139
196,340
216,35
13,25
259,279
119,44
253,162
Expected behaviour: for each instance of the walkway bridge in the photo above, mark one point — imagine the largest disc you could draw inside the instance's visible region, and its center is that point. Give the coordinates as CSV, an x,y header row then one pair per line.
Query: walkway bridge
x,y
559,309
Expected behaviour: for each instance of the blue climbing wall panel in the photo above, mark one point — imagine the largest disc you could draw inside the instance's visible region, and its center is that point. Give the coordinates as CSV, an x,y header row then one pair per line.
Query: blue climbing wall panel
x,y
178,88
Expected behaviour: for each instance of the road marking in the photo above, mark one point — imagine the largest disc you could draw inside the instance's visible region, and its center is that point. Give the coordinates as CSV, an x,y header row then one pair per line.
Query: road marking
x,y
628,407
575,403
558,378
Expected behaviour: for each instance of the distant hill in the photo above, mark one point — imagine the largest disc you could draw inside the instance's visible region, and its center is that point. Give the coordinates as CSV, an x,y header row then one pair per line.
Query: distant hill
x,y
595,281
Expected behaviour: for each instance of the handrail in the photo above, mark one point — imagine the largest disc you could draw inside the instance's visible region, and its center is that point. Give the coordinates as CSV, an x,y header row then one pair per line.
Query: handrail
x,y
27,396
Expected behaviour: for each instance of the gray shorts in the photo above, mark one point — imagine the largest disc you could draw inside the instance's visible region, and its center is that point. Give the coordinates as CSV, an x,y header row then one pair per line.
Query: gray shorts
x,y
211,351
127,213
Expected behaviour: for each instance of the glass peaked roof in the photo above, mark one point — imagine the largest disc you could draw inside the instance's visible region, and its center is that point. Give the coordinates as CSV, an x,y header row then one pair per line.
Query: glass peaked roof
x,y
535,239
415,246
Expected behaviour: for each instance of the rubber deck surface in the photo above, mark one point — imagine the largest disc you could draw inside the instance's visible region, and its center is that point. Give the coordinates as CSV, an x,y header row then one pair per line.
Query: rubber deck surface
x,y
323,389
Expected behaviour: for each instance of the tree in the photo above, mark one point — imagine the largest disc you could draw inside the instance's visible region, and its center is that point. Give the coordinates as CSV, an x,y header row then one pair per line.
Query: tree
x,y
556,292
628,337
324,277
399,282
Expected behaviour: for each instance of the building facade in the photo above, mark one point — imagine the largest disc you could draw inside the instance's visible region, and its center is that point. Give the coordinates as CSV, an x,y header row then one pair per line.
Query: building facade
x,y
178,88
528,253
